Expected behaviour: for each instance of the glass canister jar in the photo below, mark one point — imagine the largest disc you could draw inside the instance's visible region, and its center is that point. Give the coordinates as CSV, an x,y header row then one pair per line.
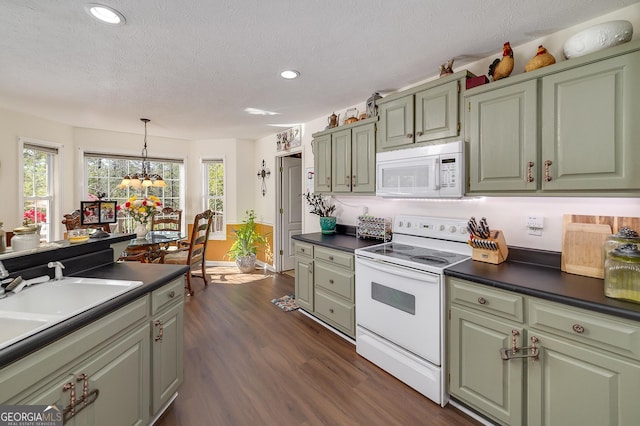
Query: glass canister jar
x,y
622,265
25,238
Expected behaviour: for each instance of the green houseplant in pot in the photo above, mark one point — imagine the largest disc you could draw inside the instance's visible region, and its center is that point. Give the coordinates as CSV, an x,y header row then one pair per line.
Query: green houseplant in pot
x,y
323,207
247,243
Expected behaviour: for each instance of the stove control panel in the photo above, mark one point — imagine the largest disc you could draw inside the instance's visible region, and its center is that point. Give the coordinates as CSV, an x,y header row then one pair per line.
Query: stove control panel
x,y
432,227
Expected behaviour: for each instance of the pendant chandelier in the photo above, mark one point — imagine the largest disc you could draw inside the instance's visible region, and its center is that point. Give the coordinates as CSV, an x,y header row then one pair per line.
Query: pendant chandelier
x,y
144,179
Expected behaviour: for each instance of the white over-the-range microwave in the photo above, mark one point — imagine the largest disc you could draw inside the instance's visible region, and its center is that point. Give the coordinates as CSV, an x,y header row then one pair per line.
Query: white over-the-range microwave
x,y
432,171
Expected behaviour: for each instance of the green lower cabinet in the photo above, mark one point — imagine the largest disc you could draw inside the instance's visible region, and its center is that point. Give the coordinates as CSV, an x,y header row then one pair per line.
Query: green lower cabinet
x,y
478,375
572,384
117,377
304,283
167,356
586,370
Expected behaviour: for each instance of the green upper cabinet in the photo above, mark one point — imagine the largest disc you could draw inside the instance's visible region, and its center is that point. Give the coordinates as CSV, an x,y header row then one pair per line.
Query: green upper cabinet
x,y
322,163
425,113
590,126
502,128
353,161
345,159
570,128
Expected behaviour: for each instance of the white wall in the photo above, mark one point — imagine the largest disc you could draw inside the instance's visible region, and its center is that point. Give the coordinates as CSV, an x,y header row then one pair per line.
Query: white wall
x,y
506,213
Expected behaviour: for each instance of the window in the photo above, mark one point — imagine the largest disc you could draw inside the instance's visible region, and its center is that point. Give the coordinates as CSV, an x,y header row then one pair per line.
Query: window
x,y
104,172
213,172
38,179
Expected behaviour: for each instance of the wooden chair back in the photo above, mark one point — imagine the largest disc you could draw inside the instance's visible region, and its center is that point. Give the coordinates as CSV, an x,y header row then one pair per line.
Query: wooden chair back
x,y
199,237
72,221
168,220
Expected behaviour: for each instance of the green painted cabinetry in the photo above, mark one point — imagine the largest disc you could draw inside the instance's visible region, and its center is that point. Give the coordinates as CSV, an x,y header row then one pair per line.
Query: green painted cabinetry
x,y
325,285
426,113
570,128
586,369
304,275
345,158
322,163
118,358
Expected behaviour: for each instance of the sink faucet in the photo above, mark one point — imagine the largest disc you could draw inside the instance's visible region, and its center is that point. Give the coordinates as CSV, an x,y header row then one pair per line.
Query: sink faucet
x,y
3,271
59,267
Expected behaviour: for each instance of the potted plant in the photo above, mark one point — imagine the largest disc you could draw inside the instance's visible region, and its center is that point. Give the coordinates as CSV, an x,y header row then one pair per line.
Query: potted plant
x,y
322,206
247,242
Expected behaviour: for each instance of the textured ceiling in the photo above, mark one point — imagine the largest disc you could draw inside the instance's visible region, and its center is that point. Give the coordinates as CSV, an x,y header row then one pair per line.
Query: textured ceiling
x,y
193,66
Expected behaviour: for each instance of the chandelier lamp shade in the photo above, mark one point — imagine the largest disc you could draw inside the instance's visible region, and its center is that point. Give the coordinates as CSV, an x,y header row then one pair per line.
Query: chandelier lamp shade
x,y
143,179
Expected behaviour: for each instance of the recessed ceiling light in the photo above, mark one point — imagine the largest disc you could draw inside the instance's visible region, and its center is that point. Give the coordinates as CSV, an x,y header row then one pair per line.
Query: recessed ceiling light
x,y
256,111
105,14
290,74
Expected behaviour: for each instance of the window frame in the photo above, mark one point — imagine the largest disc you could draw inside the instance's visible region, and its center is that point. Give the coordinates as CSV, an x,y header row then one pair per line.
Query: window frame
x,y
54,183
205,162
182,162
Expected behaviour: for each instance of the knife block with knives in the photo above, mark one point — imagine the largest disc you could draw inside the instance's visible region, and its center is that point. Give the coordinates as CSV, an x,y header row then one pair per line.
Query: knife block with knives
x,y
490,250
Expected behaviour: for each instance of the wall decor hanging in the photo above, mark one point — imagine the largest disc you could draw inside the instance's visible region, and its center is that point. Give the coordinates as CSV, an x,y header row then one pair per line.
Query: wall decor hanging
x,y
264,173
289,138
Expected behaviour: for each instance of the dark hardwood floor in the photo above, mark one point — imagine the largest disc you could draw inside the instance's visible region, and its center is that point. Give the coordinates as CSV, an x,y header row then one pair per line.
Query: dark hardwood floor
x,y
249,363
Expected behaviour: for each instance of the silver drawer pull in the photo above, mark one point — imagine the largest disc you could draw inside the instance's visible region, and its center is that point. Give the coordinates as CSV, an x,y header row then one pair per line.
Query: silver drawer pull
x,y
330,281
330,257
172,294
578,328
302,250
331,310
482,300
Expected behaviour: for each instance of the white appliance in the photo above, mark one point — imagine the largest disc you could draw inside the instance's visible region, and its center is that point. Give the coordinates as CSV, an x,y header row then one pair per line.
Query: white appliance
x,y
432,171
400,300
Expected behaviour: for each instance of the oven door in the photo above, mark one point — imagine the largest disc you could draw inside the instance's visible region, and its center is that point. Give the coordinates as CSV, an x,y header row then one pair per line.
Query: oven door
x,y
401,305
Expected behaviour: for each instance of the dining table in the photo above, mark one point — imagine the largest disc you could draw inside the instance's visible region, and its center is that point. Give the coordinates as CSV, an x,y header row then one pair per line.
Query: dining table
x,y
153,245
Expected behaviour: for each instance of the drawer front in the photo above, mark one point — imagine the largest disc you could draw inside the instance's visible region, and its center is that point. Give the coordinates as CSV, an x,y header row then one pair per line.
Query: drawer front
x,y
168,295
334,280
497,302
303,249
340,314
335,257
592,328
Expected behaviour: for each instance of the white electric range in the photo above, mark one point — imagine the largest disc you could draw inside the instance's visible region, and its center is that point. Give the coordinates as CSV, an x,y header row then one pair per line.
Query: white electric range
x,y
400,299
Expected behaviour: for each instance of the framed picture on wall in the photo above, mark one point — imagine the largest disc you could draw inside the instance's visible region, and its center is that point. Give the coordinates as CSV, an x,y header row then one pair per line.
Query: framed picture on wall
x,y
289,138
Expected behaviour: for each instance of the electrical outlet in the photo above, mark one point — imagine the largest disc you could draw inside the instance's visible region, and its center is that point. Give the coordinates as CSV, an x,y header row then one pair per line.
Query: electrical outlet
x,y
535,225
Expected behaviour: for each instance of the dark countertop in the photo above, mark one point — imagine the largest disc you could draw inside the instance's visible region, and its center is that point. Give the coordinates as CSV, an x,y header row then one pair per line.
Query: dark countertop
x,y
153,276
546,283
344,242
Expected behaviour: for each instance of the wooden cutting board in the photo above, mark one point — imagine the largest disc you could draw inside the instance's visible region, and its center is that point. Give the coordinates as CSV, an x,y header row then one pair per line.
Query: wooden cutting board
x,y
583,239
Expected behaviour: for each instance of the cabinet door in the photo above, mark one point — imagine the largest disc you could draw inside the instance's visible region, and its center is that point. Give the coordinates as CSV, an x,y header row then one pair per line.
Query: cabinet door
x,y
363,159
437,112
167,355
396,123
322,163
503,139
590,126
477,374
304,283
121,377
572,384
341,161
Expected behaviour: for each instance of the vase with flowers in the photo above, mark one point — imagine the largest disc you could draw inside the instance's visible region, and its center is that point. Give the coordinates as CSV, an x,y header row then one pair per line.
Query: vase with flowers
x,y
322,206
142,210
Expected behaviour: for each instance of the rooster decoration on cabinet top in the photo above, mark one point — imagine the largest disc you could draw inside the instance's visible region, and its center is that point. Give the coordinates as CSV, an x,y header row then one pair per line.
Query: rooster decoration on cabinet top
x,y
501,68
542,59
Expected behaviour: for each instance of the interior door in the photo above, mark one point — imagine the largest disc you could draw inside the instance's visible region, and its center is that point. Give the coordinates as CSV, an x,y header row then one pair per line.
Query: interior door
x,y
291,208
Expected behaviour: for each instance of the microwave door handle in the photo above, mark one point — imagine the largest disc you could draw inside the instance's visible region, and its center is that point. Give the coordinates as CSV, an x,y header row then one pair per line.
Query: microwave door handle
x,y
436,173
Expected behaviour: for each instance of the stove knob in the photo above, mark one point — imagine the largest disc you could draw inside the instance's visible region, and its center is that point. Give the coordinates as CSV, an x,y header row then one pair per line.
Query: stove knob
x,y
441,227
452,229
408,224
462,230
400,224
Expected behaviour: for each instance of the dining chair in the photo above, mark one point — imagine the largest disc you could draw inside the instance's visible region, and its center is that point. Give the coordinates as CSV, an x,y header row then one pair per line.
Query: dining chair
x,y
72,221
168,220
192,253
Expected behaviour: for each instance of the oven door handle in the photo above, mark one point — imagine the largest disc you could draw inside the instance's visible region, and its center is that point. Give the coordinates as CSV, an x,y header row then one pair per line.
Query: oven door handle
x,y
386,267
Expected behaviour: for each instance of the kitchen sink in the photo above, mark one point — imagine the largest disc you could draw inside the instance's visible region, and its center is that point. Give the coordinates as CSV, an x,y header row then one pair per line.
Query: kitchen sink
x,y
42,305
